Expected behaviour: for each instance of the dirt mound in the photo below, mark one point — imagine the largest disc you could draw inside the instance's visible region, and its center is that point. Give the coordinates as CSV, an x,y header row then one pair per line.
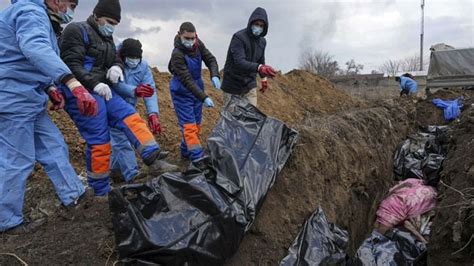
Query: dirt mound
x,y
428,114
454,222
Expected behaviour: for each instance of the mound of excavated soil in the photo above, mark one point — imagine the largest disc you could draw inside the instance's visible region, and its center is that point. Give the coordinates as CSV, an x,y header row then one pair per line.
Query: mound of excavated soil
x,y
428,114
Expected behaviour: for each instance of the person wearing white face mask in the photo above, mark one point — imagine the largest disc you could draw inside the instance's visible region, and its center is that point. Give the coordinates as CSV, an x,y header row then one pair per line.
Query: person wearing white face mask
x,y
89,51
246,58
138,83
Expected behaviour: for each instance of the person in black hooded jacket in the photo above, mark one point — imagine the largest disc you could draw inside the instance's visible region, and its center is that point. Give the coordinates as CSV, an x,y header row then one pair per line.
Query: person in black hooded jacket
x,y
246,58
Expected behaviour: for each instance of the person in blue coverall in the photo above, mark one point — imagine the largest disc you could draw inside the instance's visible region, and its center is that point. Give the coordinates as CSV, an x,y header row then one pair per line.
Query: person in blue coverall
x,y
30,67
88,49
408,85
138,83
187,89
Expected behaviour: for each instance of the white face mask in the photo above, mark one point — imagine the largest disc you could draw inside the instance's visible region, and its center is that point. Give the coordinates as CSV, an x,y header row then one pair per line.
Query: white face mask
x,y
132,62
257,30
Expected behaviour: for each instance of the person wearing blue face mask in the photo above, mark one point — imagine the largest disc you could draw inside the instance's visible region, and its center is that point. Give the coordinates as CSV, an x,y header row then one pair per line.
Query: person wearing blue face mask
x,y
138,83
187,89
59,18
88,49
246,58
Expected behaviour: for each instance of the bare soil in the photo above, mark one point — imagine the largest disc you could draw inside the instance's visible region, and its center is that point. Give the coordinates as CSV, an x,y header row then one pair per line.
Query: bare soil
x,y
343,163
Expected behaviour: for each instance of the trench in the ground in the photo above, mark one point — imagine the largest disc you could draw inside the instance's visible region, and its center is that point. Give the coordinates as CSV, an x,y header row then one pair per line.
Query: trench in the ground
x,y
343,163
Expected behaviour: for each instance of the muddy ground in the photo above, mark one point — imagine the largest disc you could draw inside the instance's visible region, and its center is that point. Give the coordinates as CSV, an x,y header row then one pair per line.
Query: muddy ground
x,y
342,162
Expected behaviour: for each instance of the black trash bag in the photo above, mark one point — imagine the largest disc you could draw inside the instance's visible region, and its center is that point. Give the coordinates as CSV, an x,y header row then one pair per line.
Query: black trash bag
x,y
174,219
248,150
200,218
421,155
318,243
395,248
432,166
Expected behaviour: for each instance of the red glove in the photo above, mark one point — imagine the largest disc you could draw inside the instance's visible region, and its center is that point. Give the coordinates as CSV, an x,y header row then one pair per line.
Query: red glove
x,y
56,98
85,102
154,123
266,71
264,86
144,90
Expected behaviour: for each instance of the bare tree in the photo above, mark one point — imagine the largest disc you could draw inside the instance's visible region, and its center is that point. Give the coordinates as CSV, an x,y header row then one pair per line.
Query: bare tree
x,y
319,62
407,64
352,68
410,63
391,67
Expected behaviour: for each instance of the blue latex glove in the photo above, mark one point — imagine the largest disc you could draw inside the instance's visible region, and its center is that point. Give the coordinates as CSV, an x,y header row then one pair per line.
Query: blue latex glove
x,y
208,102
216,82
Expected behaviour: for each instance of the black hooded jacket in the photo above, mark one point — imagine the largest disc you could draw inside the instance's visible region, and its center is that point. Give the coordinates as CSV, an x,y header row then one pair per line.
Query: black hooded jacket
x,y
246,52
74,51
178,65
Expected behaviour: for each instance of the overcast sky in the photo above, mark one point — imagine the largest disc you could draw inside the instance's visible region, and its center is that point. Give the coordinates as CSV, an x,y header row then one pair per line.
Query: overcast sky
x,y
369,31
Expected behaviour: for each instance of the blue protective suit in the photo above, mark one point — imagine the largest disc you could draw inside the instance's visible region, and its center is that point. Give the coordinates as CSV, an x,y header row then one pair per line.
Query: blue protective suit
x,y
408,84
29,63
188,109
452,109
123,155
88,54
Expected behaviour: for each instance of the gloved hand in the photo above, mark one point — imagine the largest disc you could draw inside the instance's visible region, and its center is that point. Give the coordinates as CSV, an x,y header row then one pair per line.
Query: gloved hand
x,y
154,123
115,74
264,85
103,90
86,103
209,103
56,98
216,81
266,71
144,90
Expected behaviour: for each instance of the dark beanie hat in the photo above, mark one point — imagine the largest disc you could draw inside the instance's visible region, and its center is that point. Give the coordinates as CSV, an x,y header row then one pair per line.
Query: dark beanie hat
x,y
131,48
187,26
108,8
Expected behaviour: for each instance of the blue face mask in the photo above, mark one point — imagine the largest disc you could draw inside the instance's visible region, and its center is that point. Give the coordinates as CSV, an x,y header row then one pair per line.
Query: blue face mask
x,y
257,30
132,62
107,29
67,17
187,43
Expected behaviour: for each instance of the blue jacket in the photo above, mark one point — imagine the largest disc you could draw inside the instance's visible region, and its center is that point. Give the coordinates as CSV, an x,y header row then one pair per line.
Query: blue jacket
x,y
246,52
134,77
29,58
408,84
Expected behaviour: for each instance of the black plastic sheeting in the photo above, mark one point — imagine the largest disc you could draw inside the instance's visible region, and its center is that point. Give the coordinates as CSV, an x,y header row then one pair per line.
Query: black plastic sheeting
x,y
200,218
421,155
323,243
318,243
394,248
